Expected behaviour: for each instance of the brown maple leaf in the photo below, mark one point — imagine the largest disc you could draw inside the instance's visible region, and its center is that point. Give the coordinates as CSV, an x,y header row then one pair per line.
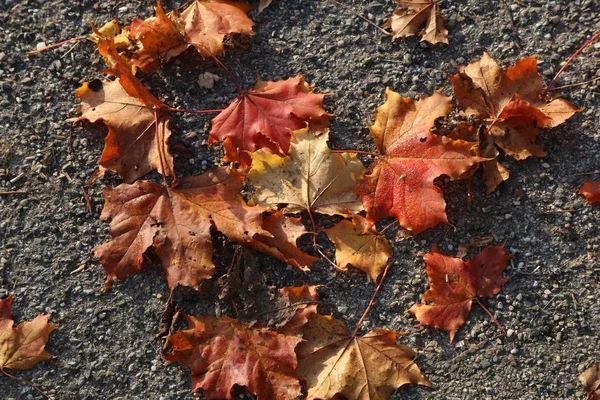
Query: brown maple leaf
x,y
590,379
222,352
455,284
282,244
310,178
357,243
176,222
334,363
400,181
22,347
305,299
510,104
137,122
408,20
264,116
591,191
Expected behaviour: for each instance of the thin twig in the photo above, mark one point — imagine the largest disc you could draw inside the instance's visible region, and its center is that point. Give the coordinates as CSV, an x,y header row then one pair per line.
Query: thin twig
x,y
11,192
574,84
40,391
220,64
588,173
370,305
555,212
494,320
361,17
88,201
586,44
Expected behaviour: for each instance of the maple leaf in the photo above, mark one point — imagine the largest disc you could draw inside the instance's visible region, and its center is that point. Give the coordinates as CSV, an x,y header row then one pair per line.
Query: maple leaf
x,y
176,222
591,191
137,122
22,347
455,284
357,243
264,116
112,29
408,21
400,181
590,379
222,352
511,100
285,232
310,178
332,362
161,37
301,296
207,22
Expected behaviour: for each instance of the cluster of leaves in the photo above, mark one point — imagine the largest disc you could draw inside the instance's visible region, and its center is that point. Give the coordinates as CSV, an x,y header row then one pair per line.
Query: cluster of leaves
x,y
275,136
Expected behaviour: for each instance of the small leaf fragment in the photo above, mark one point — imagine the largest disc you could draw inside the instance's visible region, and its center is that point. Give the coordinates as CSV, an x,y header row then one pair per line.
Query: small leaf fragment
x,y
591,191
408,21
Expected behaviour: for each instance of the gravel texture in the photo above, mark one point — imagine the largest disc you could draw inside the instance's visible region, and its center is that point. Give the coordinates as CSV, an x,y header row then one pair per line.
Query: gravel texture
x,y
105,345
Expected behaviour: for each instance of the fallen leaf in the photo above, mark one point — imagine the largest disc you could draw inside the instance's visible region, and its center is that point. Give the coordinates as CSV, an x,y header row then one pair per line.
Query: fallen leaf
x,y
22,347
207,22
161,38
137,122
455,284
112,29
334,363
264,117
400,181
222,352
282,244
590,379
511,100
302,297
591,191
360,245
408,21
310,178
176,222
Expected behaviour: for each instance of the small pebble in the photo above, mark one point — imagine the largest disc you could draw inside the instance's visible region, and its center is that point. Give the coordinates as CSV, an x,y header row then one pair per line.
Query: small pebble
x,y
510,332
40,45
545,165
514,351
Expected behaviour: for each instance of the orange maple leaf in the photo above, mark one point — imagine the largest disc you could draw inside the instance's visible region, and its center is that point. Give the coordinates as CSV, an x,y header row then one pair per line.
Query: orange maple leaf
x,y
334,363
22,347
512,107
176,222
413,14
455,284
400,181
223,352
591,191
137,122
264,117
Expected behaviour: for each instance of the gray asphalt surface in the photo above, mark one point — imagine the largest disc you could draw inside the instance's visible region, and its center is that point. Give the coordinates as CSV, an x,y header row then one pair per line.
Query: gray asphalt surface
x,y
105,347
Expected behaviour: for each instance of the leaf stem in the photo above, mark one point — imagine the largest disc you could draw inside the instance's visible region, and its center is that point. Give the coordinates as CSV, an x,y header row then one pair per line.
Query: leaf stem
x,y
220,64
370,305
579,50
181,110
368,21
494,320
52,46
368,153
40,391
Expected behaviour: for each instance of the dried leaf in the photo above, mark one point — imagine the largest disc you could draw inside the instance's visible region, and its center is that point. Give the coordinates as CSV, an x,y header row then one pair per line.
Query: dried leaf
x,y
222,352
176,222
22,347
282,244
512,98
300,296
400,181
591,191
333,363
455,284
358,244
413,15
310,178
590,379
264,116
